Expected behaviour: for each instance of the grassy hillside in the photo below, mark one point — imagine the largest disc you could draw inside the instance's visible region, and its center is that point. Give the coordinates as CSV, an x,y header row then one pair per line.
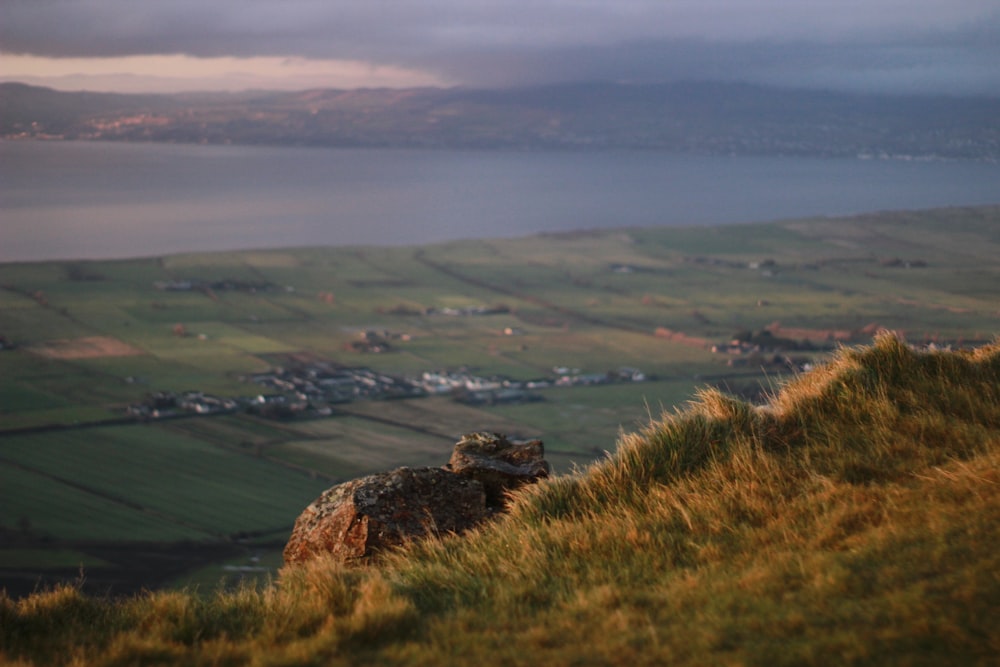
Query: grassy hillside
x,y
853,519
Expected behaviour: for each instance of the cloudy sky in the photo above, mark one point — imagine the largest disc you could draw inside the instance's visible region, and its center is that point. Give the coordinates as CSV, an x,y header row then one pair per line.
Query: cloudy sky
x,y
168,45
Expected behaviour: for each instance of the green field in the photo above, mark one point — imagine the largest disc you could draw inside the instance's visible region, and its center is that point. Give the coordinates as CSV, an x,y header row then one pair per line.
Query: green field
x,y
200,490
92,337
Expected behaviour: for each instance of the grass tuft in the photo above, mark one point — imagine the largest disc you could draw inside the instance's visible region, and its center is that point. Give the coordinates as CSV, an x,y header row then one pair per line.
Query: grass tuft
x,y
855,519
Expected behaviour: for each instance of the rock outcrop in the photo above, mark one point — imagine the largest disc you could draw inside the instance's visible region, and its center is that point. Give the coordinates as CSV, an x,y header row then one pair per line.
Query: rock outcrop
x,y
499,464
356,520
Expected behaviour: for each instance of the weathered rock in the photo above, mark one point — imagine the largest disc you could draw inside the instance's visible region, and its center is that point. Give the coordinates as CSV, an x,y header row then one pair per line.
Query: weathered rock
x,y
499,464
354,520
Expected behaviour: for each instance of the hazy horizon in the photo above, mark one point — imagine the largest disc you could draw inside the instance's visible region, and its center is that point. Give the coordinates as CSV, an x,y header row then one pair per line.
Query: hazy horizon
x,y
899,46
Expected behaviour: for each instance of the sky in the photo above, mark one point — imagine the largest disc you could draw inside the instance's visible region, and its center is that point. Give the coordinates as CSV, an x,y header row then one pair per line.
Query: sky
x,y
896,46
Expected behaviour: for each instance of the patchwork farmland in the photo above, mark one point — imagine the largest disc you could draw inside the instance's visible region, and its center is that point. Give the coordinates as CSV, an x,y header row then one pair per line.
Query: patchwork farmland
x,y
185,496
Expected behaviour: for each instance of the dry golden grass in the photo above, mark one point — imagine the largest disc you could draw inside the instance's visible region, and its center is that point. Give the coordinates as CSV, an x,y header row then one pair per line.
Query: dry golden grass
x,y
855,519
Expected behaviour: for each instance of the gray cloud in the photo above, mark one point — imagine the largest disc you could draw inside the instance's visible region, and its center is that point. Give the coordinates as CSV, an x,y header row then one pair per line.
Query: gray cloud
x,y
951,45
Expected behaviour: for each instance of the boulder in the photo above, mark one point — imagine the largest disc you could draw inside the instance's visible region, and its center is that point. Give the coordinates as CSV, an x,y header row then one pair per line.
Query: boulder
x,y
356,520
499,464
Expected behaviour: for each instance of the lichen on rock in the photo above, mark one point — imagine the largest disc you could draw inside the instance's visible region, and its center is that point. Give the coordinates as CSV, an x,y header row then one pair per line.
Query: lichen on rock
x,y
499,464
356,520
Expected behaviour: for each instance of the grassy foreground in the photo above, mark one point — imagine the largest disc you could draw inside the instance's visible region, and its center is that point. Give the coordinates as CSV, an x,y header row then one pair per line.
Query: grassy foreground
x,y
855,519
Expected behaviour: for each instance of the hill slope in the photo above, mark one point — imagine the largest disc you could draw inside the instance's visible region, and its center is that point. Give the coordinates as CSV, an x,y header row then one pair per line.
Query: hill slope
x,y
853,519
710,118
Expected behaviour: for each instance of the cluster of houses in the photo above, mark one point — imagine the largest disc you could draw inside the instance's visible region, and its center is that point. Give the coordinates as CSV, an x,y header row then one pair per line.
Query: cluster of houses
x,y
320,383
375,342
897,263
775,361
311,389
163,404
465,387
468,388
467,311
746,354
572,377
763,349
225,285
315,386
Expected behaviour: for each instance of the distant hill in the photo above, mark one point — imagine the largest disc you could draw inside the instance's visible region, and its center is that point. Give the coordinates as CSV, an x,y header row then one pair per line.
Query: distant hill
x,y
707,118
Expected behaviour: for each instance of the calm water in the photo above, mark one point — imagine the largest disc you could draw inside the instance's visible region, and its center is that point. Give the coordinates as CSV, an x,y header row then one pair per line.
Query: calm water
x,y
95,200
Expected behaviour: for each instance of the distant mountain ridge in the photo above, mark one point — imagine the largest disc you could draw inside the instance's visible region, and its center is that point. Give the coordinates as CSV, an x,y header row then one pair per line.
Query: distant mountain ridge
x,y
704,118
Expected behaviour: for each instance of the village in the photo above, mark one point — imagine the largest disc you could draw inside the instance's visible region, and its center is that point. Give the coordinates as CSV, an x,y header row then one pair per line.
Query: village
x,y
312,389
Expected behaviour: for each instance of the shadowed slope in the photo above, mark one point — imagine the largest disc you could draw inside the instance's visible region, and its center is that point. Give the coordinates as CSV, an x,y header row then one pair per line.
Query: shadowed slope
x,y
854,519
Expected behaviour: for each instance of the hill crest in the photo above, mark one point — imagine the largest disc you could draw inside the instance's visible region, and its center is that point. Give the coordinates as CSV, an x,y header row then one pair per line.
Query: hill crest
x,y
854,517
